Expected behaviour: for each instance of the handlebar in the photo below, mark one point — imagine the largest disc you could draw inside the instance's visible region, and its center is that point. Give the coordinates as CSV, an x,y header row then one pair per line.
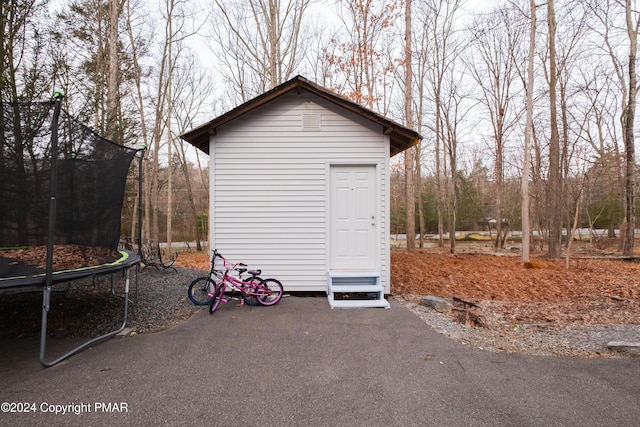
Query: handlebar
x,y
240,267
225,263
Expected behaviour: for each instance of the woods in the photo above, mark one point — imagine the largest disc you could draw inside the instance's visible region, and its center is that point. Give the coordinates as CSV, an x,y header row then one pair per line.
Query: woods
x,y
527,109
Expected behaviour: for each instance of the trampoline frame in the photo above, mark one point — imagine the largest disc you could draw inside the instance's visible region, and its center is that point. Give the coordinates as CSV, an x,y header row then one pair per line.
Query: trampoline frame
x,y
132,259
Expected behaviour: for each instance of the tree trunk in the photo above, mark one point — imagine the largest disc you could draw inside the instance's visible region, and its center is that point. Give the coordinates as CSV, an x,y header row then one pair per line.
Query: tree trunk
x,y
576,217
526,226
409,154
418,193
453,193
439,174
629,117
184,164
498,176
555,185
169,41
112,81
274,55
139,101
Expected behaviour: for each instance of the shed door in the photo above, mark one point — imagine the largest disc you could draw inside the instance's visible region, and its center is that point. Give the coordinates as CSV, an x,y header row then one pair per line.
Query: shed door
x,y
353,221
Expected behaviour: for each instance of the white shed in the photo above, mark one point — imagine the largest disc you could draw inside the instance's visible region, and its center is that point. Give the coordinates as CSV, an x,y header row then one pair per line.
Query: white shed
x,y
299,187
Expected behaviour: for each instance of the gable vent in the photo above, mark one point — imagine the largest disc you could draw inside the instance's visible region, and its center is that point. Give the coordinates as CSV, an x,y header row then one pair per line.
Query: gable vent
x,y
311,120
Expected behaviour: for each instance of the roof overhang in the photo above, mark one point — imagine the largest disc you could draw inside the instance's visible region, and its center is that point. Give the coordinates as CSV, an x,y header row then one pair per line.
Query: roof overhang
x,y
401,138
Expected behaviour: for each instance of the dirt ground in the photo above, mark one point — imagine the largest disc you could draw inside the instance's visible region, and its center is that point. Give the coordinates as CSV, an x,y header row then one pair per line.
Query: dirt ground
x,y
591,291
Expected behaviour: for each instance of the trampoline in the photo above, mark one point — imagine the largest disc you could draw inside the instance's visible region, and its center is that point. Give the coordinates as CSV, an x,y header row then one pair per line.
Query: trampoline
x,y
61,187
15,275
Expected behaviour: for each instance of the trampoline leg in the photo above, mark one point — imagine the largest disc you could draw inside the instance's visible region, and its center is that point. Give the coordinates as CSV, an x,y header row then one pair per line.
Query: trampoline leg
x,y
46,302
137,276
46,299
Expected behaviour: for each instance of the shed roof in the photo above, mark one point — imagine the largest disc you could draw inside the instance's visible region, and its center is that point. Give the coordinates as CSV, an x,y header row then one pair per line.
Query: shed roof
x,y
401,137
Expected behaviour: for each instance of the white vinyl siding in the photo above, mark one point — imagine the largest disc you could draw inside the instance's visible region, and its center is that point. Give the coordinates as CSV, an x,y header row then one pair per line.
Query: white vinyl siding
x,y
269,186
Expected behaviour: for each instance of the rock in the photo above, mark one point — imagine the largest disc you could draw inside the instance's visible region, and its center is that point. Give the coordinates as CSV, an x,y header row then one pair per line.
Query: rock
x,y
623,345
436,303
126,332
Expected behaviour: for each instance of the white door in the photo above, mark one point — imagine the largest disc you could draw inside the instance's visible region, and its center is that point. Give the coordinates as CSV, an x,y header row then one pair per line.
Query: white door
x,y
353,221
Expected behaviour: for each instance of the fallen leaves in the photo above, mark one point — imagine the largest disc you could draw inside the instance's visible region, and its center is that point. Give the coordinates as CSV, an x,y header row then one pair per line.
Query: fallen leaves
x,y
591,291
65,257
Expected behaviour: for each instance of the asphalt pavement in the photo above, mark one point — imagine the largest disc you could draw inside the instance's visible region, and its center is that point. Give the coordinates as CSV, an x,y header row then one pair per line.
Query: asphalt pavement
x,y
299,363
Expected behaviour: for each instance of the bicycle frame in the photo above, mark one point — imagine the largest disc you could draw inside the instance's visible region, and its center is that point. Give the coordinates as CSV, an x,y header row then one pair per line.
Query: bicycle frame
x,y
246,287
201,289
253,290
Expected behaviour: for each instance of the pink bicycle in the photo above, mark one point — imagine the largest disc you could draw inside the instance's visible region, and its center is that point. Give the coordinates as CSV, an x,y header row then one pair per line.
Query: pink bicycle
x,y
202,289
263,291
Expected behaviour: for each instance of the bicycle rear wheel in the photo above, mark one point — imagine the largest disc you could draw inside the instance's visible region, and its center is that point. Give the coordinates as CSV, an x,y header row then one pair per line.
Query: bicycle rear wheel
x,y
200,289
217,297
269,292
250,288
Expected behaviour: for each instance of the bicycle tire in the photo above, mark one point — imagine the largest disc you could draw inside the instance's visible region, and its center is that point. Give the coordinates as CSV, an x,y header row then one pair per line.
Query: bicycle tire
x,y
249,296
217,298
269,292
200,289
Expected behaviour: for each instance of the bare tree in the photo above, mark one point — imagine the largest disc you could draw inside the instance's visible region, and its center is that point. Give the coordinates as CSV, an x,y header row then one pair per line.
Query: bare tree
x,y
606,16
139,49
498,41
190,97
440,62
177,28
455,111
421,71
260,43
596,119
170,40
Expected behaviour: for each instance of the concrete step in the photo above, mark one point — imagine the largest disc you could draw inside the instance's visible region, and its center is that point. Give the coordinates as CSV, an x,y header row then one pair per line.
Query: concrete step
x,y
355,288
355,303
353,273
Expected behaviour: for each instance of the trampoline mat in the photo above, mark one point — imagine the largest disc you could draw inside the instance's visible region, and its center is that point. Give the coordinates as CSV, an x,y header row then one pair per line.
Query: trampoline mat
x,y
15,273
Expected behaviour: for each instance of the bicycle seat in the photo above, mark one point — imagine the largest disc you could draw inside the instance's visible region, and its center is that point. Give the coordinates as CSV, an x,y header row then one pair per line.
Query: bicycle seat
x,y
255,272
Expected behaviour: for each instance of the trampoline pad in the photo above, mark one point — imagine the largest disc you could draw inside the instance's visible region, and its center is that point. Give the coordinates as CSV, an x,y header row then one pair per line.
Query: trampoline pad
x,y
15,273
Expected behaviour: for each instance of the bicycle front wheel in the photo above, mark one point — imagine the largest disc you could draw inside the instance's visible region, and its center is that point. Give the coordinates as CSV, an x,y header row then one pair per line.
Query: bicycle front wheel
x,y
269,292
217,298
200,289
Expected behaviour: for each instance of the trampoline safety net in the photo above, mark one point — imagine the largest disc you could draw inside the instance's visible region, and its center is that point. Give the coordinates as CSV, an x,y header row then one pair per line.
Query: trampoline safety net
x,y
91,178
